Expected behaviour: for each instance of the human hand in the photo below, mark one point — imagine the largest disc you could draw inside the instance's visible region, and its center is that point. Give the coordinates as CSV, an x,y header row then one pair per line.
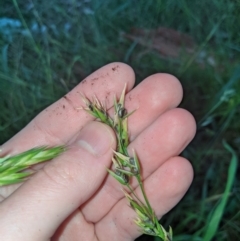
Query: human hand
x,y
72,197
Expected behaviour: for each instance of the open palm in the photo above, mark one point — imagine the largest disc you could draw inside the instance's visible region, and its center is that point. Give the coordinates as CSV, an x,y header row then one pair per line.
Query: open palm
x,y
72,197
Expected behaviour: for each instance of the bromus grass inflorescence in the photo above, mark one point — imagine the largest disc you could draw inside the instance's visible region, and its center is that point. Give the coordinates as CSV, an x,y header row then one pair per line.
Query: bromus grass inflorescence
x,y
14,169
126,166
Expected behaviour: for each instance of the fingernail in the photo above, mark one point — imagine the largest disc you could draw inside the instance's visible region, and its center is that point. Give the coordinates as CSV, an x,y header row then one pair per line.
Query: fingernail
x,y
96,138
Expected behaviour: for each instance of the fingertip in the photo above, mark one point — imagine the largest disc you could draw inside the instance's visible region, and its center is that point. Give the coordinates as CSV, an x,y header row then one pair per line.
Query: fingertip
x,y
184,121
169,87
179,175
118,73
124,72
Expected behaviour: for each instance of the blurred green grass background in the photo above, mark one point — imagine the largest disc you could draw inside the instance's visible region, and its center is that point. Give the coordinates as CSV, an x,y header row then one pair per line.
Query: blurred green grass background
x,y
47,47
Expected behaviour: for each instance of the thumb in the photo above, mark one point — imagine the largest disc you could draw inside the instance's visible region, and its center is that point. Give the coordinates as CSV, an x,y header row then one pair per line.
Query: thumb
x,y
38,207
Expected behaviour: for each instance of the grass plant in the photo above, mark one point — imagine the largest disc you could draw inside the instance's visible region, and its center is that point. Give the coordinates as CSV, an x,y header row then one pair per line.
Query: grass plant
x,y
74,38
127,166
15,169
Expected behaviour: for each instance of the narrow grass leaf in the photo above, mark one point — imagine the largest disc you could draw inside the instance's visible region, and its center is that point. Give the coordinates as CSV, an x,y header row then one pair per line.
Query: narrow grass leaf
x,y
215,217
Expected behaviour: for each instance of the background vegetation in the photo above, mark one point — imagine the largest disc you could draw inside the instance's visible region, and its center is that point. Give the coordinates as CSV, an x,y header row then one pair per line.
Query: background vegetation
x,y
46,47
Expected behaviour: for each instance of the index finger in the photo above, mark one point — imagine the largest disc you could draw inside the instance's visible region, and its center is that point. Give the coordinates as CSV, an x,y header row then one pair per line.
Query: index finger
x,y
62,120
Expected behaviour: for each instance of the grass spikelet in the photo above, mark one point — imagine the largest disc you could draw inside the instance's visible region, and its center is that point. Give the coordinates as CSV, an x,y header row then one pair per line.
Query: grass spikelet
x,y
13,168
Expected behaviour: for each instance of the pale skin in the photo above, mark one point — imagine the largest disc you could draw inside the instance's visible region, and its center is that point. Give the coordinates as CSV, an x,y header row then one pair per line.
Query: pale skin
x,y
72,197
